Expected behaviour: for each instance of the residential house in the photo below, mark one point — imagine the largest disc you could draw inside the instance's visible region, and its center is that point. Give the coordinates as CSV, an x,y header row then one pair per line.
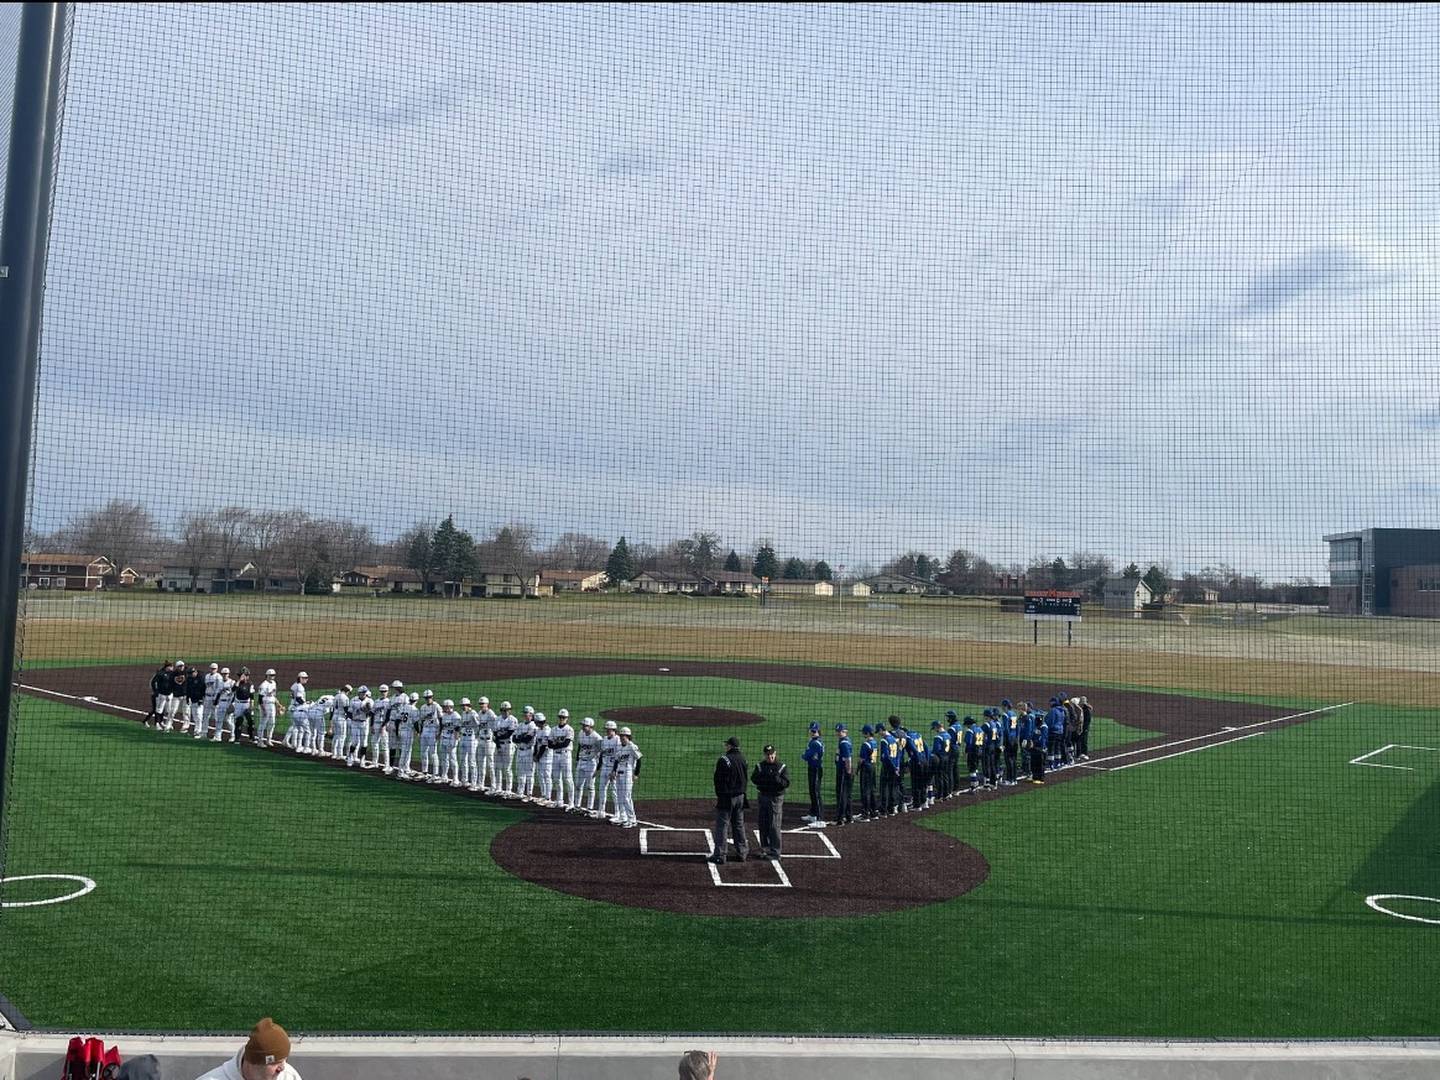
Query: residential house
x,y
1126,596
901,584
729,582
667,581
139,575
384,578
573,580
800,587
857,589
494,581
46,570
208,579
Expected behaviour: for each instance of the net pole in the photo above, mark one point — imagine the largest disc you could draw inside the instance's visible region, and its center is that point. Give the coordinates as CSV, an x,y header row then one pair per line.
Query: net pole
x,y
24,232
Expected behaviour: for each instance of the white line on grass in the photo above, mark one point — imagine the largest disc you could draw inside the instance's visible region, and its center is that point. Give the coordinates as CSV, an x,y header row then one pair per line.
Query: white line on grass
x,y
1099,762
88,699
1390,746
1192,750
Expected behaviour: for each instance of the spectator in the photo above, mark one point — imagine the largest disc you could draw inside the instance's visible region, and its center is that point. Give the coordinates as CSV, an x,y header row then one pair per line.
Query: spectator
x,y
264,1057
698,1065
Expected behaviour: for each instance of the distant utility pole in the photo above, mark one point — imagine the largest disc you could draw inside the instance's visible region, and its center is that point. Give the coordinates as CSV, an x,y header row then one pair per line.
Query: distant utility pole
x,y
840,583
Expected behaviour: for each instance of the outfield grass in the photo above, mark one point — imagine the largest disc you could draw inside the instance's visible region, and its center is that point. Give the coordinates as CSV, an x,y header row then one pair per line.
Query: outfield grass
x,y
1214,894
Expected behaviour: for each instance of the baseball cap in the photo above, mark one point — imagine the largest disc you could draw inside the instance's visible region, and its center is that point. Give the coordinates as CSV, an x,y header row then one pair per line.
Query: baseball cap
x,y
224,671
363,690
950,714
867,730
934,725
529,710
269,671
814,728
414,698
268,1043
214,667
624,731
303,675
484,701
505,706
767,749
347,688
609,725
563,712
464,701
587,722
733,741
540,718
1005,702
841,727
448,704
397,685
429,693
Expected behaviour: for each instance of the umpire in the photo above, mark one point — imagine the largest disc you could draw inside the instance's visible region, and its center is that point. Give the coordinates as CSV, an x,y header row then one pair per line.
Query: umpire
x,y
771,778
732,775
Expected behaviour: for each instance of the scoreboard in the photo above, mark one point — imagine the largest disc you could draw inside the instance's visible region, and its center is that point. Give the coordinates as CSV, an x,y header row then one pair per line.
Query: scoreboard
x,y
1052,605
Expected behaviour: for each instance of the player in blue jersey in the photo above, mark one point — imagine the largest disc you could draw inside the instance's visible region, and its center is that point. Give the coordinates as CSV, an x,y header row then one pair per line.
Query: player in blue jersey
x,y
814,758
844,774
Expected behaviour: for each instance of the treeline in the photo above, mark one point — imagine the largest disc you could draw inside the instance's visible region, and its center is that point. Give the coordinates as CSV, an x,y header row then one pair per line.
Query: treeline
x,y
309,550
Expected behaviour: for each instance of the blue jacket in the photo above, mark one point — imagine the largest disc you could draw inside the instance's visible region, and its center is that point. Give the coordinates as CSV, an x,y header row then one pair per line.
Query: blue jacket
x,y
1055,720
843,752
891,753
1025,727
1011,725
1042,736
957,735
814,755
974,737
915,747
940,746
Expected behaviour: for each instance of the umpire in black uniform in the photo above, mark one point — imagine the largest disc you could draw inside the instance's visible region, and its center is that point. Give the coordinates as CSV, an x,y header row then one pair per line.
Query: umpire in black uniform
x,y
732,776
771,778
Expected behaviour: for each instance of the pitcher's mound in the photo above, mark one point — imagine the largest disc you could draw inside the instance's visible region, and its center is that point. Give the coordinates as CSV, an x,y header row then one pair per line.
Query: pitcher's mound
x,y
681,716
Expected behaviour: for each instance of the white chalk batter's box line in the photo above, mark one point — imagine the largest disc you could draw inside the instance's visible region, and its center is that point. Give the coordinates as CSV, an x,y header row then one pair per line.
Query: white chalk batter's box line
x,y
645,842
1363,759
830,854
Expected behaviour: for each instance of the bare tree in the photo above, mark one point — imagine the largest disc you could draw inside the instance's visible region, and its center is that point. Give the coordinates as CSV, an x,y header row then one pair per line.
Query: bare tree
x,y
417,551
264,542
232,525
311,551
356,547
197,544
578,551
120,530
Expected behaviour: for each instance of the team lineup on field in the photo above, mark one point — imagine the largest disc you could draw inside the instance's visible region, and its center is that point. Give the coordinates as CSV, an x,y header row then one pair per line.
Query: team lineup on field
x,y
493,752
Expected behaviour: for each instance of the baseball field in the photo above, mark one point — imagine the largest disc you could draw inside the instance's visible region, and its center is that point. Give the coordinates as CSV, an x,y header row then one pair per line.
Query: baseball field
x,y
1250,851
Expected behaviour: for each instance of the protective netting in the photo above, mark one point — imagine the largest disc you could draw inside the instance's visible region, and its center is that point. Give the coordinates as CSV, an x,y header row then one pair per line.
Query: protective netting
x,y
717,371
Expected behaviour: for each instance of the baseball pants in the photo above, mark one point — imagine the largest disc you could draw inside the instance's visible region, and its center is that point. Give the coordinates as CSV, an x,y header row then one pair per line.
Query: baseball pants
x,y
625,795
429,756
489,779
1037,764
404,751
525,767
267,723
449,761
340,738
358,728
844,783
207,716
380,747
1010,762
469,767
240,714
730,817
223,721
607,786
868,808
197,715
505,773
817,806
158,704
585,789
562,778
542,775
172,710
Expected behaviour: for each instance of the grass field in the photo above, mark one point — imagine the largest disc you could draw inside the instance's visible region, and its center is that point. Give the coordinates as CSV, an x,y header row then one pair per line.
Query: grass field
x,y
1211,894
1220,894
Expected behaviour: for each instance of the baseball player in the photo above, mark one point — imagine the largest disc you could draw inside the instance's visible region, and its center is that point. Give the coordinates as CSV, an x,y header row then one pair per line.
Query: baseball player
x,y
212,695
588,744
179,691
267,691
562,766
627,767
340,722
525,755
429,723
869,756
195,707
609,747
359,725
379,749
469,736
486,780
449,744
161,683
814,758
403,723
297,735
541,753
504,731
223,701
240,711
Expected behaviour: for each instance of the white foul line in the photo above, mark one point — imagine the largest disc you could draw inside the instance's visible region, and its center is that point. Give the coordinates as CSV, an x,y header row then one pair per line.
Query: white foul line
x,y
1182,753
1099,762
87,699
1390,746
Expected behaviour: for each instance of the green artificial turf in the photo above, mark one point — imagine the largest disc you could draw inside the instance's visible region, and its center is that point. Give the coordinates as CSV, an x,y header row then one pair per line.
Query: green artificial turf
x,y
1215,894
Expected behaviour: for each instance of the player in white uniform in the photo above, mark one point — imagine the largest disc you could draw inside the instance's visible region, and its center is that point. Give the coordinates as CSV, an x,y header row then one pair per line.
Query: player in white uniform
x,y
609,747
172,705
627,764
223,701
562,767
213,681
297,733
469,733
540,749
429,722
268,691
379,750
525,755
449,744
196,719
588,745
340,722
487,780
359,725
504,729
404,719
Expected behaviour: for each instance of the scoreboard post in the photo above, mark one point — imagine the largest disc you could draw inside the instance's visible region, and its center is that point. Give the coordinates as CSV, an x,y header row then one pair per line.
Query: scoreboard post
x,y
1053,605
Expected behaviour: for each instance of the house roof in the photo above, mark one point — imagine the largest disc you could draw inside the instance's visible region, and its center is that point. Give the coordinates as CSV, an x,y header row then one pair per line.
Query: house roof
x,y
797,581
909,579
69,559
677,578
568,575
720,577
387,572
1123,586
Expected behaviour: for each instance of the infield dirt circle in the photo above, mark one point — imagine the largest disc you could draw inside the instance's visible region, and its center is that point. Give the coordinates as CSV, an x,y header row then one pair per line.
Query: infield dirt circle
x,y
681,716
886,865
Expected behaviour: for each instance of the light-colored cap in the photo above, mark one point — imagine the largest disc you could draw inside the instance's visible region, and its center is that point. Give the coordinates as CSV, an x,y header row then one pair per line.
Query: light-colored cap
x,y
303,675
529,710
429,693
484,701
540,718
414,698
270,671
214,667
505,706
624,731
464,701
609,725
589,721
448,704
563,713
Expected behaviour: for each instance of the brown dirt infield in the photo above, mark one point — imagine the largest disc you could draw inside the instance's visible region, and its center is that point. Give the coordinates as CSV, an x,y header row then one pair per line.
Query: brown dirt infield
x,y
681,716
883,866
887,865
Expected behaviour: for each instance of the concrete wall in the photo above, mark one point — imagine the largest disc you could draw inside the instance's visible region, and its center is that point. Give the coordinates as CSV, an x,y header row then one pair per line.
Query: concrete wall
x,y
32,1056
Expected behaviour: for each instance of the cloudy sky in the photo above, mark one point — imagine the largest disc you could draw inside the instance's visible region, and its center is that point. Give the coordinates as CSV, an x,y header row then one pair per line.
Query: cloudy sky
x,y
1160,282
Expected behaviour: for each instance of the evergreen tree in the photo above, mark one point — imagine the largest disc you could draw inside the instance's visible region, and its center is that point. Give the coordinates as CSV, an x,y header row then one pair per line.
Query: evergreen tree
x,y
733,563
1132,572
795,570
823,572
924,567
766,563
621,564
452,552
1158,582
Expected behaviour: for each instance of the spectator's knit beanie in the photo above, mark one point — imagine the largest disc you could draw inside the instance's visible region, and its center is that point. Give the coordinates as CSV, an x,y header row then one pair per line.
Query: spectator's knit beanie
x,y
268,1043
